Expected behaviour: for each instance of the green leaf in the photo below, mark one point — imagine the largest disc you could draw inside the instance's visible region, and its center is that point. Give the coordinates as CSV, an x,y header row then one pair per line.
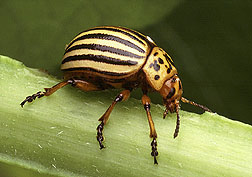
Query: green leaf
x,y
56,135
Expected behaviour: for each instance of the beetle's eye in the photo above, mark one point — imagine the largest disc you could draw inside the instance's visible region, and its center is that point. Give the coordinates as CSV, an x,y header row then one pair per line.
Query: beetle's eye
x,y
180,86
171,93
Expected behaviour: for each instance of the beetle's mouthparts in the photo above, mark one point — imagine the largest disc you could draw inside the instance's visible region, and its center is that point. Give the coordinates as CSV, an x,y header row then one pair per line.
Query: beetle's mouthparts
x,y
165,113
171,107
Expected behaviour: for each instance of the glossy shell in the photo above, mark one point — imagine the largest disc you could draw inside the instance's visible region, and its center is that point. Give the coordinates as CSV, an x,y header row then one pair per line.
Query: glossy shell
x,y
117,54
110,52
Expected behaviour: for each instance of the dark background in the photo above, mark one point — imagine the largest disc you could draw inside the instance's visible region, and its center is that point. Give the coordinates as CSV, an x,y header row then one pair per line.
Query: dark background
x,y
209,41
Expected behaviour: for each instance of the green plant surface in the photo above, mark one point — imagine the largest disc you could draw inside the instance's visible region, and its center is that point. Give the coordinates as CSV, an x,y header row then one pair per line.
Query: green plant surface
x,y
56,135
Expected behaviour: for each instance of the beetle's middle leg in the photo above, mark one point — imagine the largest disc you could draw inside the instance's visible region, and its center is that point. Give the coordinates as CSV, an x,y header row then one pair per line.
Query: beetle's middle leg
x,y
124,95
146,102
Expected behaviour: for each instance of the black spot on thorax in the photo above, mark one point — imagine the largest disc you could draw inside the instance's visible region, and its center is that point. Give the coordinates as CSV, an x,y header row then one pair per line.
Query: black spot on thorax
x,y
156,66
160,61
156,77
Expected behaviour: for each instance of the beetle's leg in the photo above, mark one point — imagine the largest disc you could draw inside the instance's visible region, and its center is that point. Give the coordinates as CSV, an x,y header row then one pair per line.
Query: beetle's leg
x,y
124,95
86,86
83,85
146,102
48,91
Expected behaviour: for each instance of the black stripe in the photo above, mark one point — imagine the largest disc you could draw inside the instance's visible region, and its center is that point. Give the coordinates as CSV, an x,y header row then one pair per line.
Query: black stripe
x,y
94,70
141,36
103,48
109,28
107,37
99,58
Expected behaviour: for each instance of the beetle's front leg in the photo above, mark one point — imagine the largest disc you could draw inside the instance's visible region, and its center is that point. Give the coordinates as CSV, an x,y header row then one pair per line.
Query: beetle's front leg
x,y
146,102
124,95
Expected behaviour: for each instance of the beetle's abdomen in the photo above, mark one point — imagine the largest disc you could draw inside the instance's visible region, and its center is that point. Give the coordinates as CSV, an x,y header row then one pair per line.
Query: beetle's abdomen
x,y
109,52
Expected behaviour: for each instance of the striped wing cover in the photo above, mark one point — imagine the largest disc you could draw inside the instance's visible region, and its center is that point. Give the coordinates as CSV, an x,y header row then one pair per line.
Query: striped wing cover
x,y
107,51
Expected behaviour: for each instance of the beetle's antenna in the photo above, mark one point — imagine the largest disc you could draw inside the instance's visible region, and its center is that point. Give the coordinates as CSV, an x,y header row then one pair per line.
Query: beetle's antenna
x,y
177,123
195,104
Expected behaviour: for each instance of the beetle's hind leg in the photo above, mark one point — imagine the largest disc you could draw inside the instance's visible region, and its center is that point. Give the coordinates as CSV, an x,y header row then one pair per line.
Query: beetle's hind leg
x,y
48,91
124,95
81,84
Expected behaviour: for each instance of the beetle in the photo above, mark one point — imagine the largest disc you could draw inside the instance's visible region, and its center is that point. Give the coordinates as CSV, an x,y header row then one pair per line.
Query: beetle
x,y
110,57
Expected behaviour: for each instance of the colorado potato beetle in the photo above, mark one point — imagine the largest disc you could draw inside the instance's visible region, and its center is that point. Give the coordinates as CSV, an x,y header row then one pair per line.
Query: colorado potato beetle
x,y
110,57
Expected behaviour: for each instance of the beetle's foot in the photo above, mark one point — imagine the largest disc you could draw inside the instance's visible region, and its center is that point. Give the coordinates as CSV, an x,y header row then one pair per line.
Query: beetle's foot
x,y
176,132
154,151
33,97
99,136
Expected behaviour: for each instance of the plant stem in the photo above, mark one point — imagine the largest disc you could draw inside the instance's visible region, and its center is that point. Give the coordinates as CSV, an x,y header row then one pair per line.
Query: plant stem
x,y
56,135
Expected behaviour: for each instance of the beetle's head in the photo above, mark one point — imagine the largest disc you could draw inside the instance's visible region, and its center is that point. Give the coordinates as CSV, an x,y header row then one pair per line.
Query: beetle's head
x,y
171,92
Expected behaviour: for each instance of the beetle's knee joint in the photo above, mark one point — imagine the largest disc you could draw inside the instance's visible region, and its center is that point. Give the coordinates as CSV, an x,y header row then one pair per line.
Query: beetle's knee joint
x,y
71,82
